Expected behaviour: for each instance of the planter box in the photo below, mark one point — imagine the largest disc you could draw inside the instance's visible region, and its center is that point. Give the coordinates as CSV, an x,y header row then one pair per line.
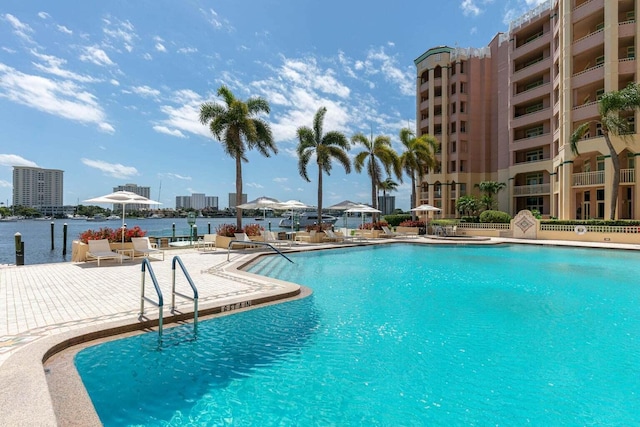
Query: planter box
x,y
223,241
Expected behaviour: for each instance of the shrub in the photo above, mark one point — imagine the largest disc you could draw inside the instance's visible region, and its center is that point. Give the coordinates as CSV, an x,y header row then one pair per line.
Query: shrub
x,y
373,225
495,217
395,220
113,235
412,223
253,229
226,230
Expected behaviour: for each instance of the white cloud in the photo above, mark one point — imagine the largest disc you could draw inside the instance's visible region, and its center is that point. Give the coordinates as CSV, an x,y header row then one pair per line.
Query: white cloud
x,y
160,47
59,98
146,91
469,7
177,176
20,29
115,170
378,61
15,160
106,128
166,130
64,29
254,185
218,23
43,15
187,50
5,184
121,31
54,65
96,56
114,82
280,180
147,56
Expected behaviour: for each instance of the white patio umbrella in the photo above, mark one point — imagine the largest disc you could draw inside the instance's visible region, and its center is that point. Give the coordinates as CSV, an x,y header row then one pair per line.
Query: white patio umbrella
x,y
124,198
263,203
425,209
292,205
363,209
343,206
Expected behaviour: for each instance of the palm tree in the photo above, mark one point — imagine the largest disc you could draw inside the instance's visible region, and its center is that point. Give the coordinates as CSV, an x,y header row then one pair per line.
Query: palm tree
x,y
327,147
490,189
239,128
377,155
418,157
610,107
387,185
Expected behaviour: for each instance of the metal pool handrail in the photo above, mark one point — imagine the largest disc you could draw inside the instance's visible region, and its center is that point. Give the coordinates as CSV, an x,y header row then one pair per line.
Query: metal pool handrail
x,y
143,298
176,259
244,242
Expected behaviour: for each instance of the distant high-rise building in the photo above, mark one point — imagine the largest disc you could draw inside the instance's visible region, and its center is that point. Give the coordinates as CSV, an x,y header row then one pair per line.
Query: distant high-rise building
x,y
211,202
197,201
38,188
133,188
233,200
387,204
183,202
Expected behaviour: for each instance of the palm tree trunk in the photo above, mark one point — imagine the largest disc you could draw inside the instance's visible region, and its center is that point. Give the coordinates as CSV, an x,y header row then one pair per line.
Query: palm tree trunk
x,y
238,192
319,195
413,200
615,161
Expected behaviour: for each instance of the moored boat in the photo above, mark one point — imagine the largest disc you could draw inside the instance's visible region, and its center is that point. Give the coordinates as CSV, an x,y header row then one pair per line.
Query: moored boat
x,y
305,219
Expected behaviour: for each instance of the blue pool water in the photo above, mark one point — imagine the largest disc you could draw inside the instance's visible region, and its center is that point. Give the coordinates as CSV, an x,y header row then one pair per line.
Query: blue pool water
x,y
398,335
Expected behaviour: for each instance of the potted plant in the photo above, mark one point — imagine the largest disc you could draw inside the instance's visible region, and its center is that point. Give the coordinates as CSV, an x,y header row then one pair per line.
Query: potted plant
x,y
225,233
254,231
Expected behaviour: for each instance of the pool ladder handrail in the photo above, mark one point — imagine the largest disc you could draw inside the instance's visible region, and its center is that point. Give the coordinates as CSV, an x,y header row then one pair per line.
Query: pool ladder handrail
x,y
146,264
244,242
177,260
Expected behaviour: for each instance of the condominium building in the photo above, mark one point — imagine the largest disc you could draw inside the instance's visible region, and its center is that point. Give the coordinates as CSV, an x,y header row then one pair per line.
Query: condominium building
x,y
233,200
197,201
505,112
136,189
38,188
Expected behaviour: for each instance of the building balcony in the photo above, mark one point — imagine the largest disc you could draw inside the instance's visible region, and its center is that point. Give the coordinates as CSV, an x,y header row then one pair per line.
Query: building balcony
x,y
626,66
587,179
627,176
588,76
528,95
532,142
585,111
530,190
535,117
588,42
424,87
534,44
586,9
533,69
627,29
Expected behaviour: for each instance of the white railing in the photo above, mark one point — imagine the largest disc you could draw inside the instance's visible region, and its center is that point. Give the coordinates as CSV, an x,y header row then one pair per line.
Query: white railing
x,y
484,226
588,178
619,229
522,190
627,175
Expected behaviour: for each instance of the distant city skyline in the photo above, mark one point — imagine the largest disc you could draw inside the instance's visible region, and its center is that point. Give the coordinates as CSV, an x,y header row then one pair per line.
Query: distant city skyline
x,y
110,92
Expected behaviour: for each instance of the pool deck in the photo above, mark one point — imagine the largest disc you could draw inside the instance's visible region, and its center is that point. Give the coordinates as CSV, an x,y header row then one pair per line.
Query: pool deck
x,y
55,306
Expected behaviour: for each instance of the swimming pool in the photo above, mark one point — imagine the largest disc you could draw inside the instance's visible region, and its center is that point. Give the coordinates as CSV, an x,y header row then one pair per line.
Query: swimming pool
x,y
398,335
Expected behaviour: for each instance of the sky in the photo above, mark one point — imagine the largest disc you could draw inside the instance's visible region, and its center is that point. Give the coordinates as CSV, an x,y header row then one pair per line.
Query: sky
x,y
110,92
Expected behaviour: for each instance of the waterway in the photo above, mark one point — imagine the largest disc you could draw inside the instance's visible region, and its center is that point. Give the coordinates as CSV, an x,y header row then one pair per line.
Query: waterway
x,y
36,234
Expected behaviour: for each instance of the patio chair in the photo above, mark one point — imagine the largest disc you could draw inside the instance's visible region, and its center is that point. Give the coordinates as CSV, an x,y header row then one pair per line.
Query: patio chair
x,y
330,236
240,240
271,238
143,247
206,242
100,249
388,232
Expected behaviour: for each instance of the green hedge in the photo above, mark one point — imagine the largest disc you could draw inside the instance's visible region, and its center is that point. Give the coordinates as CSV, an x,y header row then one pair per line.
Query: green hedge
x,y
494,217
395,220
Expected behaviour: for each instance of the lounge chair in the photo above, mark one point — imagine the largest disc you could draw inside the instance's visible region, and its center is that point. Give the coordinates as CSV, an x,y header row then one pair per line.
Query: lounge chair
x,y
206,242
143,247
100,249
242,237
271,238
306,237
330,236
388,233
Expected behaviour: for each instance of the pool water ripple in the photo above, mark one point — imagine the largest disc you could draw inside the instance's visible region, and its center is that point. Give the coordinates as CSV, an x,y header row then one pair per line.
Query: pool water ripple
x,y
400,335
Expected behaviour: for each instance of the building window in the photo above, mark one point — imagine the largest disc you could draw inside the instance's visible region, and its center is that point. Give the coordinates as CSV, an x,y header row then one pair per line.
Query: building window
x,y
600,60
453,166
462,66
600,164
462,166
599,129
453,108
533,108
534,179
453,146
463,107
463,87
599,26
463,127
599,93
535,204
631,52
453,89
453,127
535,131
535,155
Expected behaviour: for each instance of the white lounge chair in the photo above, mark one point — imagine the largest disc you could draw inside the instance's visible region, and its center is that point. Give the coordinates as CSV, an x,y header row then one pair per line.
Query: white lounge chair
x,y
330,236
143,247
388,232
242,237
100,249
270,237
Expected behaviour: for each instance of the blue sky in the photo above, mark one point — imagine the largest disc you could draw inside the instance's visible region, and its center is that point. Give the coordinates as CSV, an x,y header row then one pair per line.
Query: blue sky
x,y
110,91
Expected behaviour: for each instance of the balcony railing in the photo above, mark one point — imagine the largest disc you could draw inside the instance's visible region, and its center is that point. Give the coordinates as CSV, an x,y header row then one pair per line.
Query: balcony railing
x,y
627,175
527,190
588,178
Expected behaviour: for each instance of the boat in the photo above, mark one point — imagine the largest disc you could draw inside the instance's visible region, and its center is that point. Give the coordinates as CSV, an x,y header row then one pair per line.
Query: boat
x,y
97,218
111,217
9,219
305,219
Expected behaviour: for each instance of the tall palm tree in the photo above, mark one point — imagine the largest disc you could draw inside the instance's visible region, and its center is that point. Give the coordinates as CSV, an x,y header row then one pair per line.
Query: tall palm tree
x,y
326,147
239,127
610,107
387,185
418,157
377,155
